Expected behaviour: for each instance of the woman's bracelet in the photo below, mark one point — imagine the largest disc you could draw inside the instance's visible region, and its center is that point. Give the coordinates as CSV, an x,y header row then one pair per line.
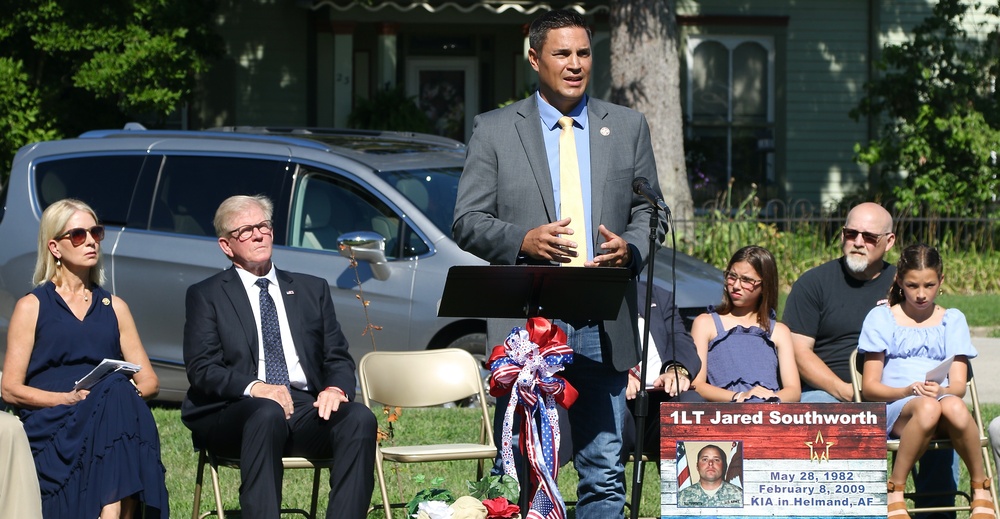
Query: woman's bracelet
x,y
736,396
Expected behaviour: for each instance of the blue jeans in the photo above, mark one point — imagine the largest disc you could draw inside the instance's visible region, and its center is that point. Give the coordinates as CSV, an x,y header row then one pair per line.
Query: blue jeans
x,y
817,396
595,427
930,474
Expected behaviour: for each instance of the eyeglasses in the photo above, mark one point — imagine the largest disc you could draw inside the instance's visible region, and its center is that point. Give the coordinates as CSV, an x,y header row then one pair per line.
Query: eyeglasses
x,y
747,283
78,235
870,238
243,233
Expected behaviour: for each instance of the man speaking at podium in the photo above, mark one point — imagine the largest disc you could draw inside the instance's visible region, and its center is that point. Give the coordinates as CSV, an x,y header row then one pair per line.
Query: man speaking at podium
x,y
548,180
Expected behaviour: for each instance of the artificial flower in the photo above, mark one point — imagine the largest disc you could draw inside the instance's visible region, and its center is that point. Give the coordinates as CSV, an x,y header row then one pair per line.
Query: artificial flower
x,y
500,508
468,507
434,510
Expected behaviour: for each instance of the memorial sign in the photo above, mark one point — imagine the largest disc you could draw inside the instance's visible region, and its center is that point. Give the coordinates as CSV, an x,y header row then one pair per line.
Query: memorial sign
x,y
773,460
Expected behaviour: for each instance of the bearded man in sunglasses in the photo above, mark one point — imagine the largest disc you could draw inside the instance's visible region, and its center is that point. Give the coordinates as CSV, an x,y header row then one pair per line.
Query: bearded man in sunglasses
x,y
828,304
825,311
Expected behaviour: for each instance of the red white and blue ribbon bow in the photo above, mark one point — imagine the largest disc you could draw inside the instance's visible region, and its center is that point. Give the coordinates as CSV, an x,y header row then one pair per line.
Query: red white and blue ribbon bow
x,y
525,366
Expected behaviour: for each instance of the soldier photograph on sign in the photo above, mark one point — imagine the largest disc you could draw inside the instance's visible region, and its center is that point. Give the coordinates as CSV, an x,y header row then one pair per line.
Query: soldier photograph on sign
x,y
716,481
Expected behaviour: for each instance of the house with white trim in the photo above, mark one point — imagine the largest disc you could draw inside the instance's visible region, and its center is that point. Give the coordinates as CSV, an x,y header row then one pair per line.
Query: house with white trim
x,y
767,84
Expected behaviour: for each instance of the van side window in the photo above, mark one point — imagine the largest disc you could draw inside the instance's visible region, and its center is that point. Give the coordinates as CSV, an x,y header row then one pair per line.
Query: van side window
x,y
106,183
192,187
326,208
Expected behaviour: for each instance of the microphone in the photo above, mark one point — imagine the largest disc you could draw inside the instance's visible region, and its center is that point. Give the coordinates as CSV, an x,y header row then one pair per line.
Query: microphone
x,y
642,188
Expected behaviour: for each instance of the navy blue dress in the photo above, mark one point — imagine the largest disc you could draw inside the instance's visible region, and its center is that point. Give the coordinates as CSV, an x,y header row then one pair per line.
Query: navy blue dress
x,y
101,449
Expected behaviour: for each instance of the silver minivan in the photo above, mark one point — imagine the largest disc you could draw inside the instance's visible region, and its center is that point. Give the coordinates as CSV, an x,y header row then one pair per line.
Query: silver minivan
x,y
387,195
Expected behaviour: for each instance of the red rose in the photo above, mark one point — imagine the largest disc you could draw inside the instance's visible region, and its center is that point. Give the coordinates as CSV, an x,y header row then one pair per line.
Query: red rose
x,y
500,508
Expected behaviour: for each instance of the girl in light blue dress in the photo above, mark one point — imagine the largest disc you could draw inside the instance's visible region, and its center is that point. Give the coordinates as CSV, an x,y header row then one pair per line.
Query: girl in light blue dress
x,y
901,343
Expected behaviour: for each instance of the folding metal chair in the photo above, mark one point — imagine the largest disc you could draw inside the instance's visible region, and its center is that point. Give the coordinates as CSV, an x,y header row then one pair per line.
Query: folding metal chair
x,y
414,379
214,462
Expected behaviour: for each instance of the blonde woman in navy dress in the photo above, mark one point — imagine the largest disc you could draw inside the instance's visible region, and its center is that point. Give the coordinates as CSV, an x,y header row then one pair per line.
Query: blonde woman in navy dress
x,y
901,342
97,451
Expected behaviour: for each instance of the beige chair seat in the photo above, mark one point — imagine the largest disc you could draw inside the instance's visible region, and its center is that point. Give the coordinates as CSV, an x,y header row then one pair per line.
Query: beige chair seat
x,y
447,452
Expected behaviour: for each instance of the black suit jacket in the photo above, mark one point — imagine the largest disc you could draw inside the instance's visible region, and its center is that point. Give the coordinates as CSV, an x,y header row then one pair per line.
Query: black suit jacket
x,y
221,347
676,347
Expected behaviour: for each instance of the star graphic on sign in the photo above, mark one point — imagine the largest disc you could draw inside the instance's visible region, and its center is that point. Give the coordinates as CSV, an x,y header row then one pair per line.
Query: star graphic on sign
x,y
819,450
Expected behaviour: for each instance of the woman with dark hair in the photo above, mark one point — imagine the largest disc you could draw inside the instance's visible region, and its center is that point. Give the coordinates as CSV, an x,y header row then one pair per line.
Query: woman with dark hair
x,y
746,354
902,342
96,450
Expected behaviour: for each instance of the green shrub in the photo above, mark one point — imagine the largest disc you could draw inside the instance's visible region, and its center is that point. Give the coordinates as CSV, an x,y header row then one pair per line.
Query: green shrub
x,y
389,109
970,262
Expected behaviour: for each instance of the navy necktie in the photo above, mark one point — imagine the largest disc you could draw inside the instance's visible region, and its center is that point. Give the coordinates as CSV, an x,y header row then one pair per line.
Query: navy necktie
x,y
275,368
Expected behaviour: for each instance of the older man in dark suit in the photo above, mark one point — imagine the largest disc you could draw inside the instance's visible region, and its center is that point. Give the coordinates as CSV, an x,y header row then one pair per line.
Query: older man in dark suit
x,y
548,180
270,372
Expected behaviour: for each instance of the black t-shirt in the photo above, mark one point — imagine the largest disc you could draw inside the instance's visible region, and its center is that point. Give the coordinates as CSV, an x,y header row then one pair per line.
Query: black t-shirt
x,y
829,305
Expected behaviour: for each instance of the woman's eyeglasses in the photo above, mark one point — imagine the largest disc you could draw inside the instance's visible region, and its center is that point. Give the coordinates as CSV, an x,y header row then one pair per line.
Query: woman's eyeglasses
x,y
747,283
78,235
244,232
869,237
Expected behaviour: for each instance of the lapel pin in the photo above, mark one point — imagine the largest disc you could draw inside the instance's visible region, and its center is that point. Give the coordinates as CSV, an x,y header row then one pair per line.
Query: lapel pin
x,y
290,293
105,301
605,131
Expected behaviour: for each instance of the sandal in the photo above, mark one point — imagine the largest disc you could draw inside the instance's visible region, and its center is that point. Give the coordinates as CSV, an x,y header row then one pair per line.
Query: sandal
x,y
985,484
898,509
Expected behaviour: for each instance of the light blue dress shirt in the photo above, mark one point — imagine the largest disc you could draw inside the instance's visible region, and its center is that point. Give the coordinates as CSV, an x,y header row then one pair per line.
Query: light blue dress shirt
x,y
551,130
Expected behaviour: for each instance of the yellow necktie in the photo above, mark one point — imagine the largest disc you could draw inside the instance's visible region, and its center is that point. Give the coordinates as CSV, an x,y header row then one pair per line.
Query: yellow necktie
x,y
570,192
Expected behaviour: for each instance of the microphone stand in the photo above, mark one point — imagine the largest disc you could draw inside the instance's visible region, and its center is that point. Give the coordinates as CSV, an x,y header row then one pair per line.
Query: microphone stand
x,y
642,397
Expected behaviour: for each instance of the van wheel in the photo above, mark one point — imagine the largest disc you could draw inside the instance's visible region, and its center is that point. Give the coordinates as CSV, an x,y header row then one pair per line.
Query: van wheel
x,y
475,343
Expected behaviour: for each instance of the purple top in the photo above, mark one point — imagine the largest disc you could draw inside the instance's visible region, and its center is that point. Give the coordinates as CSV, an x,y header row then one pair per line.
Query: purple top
x,y
741,358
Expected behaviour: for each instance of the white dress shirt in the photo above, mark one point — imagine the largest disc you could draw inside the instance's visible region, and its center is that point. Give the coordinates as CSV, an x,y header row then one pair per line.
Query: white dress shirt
x,y
296,376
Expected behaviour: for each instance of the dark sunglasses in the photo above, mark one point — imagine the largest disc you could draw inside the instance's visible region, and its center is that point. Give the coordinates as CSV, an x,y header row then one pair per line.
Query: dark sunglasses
x,y
78,235
869,237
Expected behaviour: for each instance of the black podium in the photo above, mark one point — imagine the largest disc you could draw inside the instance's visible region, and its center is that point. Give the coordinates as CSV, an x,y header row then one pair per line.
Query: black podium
x,y
523,291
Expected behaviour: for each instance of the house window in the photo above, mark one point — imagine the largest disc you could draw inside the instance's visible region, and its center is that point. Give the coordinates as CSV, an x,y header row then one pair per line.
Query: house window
x,y
729,115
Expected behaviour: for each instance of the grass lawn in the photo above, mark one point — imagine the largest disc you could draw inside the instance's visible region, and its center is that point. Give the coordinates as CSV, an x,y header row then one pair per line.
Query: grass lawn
x,y
181,462
980,310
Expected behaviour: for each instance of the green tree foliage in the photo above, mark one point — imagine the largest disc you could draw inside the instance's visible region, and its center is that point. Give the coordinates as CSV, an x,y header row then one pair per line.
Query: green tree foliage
x,y
74,65
937,97
20,121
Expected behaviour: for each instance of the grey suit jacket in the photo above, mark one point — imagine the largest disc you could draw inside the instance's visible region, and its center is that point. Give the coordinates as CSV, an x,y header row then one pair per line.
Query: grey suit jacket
x,y
506,190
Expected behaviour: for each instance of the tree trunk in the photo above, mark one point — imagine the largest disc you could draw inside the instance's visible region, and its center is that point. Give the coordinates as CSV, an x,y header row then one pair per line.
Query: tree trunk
x,y
645,76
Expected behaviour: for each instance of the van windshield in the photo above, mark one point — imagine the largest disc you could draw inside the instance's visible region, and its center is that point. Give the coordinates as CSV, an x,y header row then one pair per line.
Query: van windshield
x,y
432,190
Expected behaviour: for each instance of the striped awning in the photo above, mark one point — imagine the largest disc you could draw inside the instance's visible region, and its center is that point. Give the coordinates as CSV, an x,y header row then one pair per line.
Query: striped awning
x,y
496,7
